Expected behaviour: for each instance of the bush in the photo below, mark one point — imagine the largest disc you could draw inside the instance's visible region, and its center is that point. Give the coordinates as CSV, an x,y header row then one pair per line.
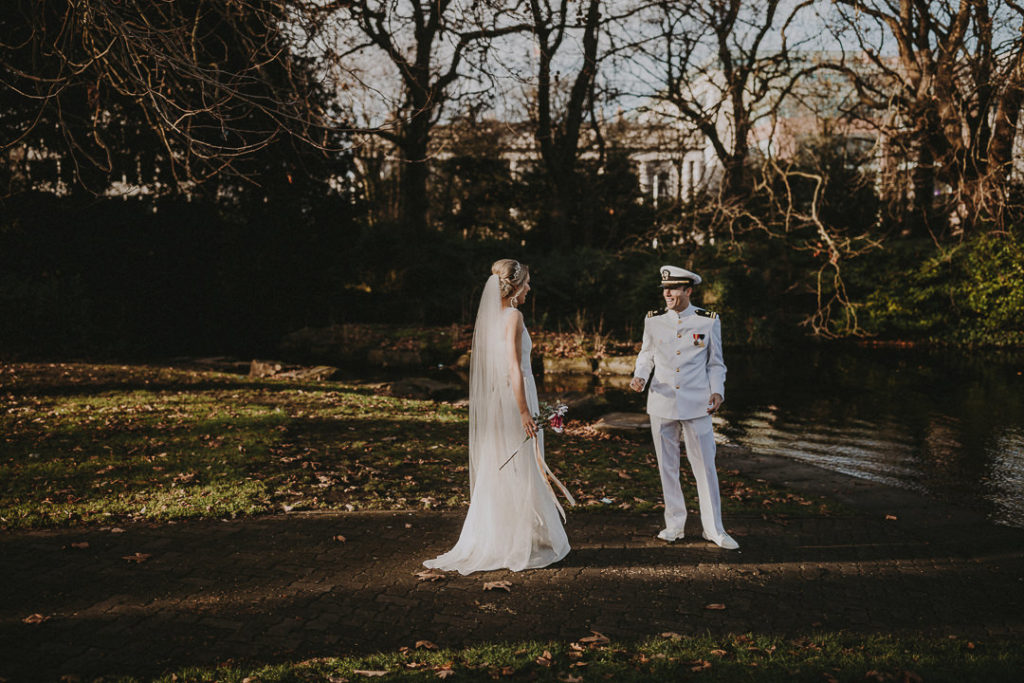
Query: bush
x,y
971,293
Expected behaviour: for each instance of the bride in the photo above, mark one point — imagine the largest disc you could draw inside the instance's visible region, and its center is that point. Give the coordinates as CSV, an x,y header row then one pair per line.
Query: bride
x,y
514,518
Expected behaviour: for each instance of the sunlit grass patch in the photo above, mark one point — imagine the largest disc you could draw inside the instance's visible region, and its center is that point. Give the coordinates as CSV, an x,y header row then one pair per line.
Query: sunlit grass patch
x,y
85,443
212,500
819,657
620,473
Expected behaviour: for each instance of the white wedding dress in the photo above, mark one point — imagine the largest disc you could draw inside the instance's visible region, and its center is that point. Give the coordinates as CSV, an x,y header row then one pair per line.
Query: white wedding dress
x,y
514,520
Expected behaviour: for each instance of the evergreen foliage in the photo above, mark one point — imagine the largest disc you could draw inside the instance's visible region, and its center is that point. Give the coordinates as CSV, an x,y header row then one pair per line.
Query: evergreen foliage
x,y
969,293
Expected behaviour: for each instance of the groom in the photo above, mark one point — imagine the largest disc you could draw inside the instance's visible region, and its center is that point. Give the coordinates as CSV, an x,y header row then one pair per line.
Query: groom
x,y
683,346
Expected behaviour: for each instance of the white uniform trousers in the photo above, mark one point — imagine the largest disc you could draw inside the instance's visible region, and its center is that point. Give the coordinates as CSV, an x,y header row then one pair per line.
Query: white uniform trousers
x,y
699,438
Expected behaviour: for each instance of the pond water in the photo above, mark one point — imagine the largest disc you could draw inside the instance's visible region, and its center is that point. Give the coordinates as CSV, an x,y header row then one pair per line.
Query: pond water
x,y
947,424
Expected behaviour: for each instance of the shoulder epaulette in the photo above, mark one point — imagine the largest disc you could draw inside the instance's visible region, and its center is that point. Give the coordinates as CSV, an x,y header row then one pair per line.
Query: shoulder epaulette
x,y
706,314
651,314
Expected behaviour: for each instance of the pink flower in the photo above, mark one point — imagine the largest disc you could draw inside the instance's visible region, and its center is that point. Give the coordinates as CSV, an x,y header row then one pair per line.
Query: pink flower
x,y
555,419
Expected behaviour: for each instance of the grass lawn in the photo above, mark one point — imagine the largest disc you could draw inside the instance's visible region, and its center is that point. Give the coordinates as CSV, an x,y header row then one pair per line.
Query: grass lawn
x,y
820,657
101,444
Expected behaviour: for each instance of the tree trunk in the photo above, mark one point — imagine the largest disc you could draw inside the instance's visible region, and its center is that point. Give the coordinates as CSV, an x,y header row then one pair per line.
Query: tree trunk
x,y
565,230
923,183
1004,128
735,185
414,175
993,186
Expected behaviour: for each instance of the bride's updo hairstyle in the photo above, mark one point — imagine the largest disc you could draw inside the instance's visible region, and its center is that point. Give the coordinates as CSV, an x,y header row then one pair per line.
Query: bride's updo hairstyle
x,y
511,276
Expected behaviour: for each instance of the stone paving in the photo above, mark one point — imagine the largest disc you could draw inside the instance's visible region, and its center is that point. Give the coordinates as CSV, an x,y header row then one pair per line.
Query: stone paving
x,y
283,587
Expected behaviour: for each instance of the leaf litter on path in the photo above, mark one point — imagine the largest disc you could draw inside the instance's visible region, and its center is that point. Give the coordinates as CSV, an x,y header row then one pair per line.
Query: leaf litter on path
x,y
498,585
138,558
597,638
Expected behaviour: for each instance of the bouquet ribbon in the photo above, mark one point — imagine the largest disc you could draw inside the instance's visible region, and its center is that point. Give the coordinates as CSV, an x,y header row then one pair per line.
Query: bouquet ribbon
x,y
550,478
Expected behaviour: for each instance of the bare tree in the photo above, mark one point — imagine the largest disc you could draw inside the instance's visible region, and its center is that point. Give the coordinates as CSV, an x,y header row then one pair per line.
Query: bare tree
x,y
557,129
745,79
210,81
707,61
424,44
948,98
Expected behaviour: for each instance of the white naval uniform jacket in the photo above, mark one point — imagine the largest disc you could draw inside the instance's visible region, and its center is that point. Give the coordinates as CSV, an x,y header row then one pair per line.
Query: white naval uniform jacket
x,y
685,350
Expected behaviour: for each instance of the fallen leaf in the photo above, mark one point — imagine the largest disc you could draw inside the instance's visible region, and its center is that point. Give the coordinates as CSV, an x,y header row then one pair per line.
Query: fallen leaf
x,y
425,644
498,585
428,575
445,672
569,678
35,619
719,653
137,557
80,545
672,635
544,659
596,639
340,538
369,672
715,606
700,665
891,518
117,530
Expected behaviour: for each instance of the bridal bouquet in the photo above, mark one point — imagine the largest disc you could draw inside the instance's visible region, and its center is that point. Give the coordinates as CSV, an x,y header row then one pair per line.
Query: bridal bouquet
x,y
548,415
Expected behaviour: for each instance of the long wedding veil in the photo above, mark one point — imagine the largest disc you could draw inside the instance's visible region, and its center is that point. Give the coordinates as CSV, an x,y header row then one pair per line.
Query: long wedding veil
x,y
488,377
513,518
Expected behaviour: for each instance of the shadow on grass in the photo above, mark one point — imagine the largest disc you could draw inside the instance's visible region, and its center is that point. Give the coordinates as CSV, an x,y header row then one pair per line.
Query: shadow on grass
x,y
175,386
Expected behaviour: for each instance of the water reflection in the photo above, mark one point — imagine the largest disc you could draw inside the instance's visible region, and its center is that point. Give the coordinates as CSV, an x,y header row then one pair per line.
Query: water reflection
x,y
1005,477
948,424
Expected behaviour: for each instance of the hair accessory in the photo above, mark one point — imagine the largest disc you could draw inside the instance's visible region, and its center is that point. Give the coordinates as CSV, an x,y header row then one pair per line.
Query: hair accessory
x,y
516,271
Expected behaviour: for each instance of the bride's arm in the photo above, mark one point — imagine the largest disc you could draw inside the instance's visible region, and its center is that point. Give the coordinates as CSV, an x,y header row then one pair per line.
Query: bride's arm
x,y
514,345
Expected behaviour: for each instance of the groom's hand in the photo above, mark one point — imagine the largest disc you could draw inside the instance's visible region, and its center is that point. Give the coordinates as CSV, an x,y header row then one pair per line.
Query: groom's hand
x,y
715,403
637,384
